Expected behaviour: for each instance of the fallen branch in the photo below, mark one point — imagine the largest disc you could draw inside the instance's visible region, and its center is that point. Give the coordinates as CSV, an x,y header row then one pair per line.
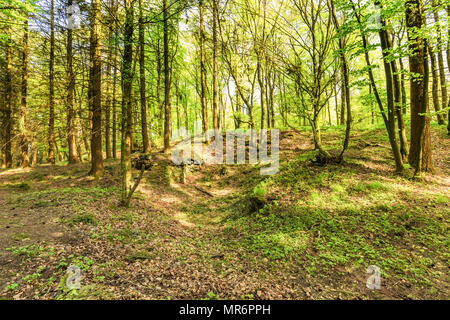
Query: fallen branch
x,y
204,191
136,183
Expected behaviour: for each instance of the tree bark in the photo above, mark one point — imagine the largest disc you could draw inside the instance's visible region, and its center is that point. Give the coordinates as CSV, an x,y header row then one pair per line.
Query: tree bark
x,y
7,157
167,109
435,87
202,70
448,66
439,54
127,80
23,105
420,145
108,98
51,119
398,102
144,129
96,135
73,158
215,85
114,99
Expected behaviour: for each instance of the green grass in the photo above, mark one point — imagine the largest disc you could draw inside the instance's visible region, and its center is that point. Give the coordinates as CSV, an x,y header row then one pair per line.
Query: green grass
x,y
331,218
22,186
85,218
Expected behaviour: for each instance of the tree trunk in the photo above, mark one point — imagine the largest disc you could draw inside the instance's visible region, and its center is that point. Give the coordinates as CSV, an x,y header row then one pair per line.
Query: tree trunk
x,y
96,136
420,146
343,97
127,80
114,99
398,102
51,118
144,129
203,71
215,93
345,86
7,154
261,90
402,85
448,66
440,55
23,105
108,99
392,98
389,120
167,109
73,158
435,87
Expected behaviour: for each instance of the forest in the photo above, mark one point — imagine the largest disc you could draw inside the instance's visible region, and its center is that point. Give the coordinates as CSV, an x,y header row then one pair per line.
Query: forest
x,y
224,149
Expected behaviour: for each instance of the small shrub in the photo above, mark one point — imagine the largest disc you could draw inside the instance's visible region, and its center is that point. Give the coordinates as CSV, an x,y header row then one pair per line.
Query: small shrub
x,y
23,186
85,218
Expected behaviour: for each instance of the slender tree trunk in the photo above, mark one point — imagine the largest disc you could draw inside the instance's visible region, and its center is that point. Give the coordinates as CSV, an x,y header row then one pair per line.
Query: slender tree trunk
x,y
203,71
96,135
398,103
336,109
144,129
167,109
114,98
392,98
435,87
215,89
158,91
440,55
51,119
372,111
345,85
343,97
402,85
315,126
73,158
420,147
127,81
7,157
389,120
448,66
34,159
261,90
108,99
23,104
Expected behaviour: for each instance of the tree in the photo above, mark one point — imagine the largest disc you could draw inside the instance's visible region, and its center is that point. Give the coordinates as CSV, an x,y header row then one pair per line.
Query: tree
x,y
345,91
95,82
389,114
440,56
51,119
127,81
145,139
73,158
202,69
214,72
435,87
311,65
23,101
109,99
420,146
7,120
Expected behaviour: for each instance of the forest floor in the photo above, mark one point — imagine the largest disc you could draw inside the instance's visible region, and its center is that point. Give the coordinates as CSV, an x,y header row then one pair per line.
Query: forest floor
x,y
311,235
